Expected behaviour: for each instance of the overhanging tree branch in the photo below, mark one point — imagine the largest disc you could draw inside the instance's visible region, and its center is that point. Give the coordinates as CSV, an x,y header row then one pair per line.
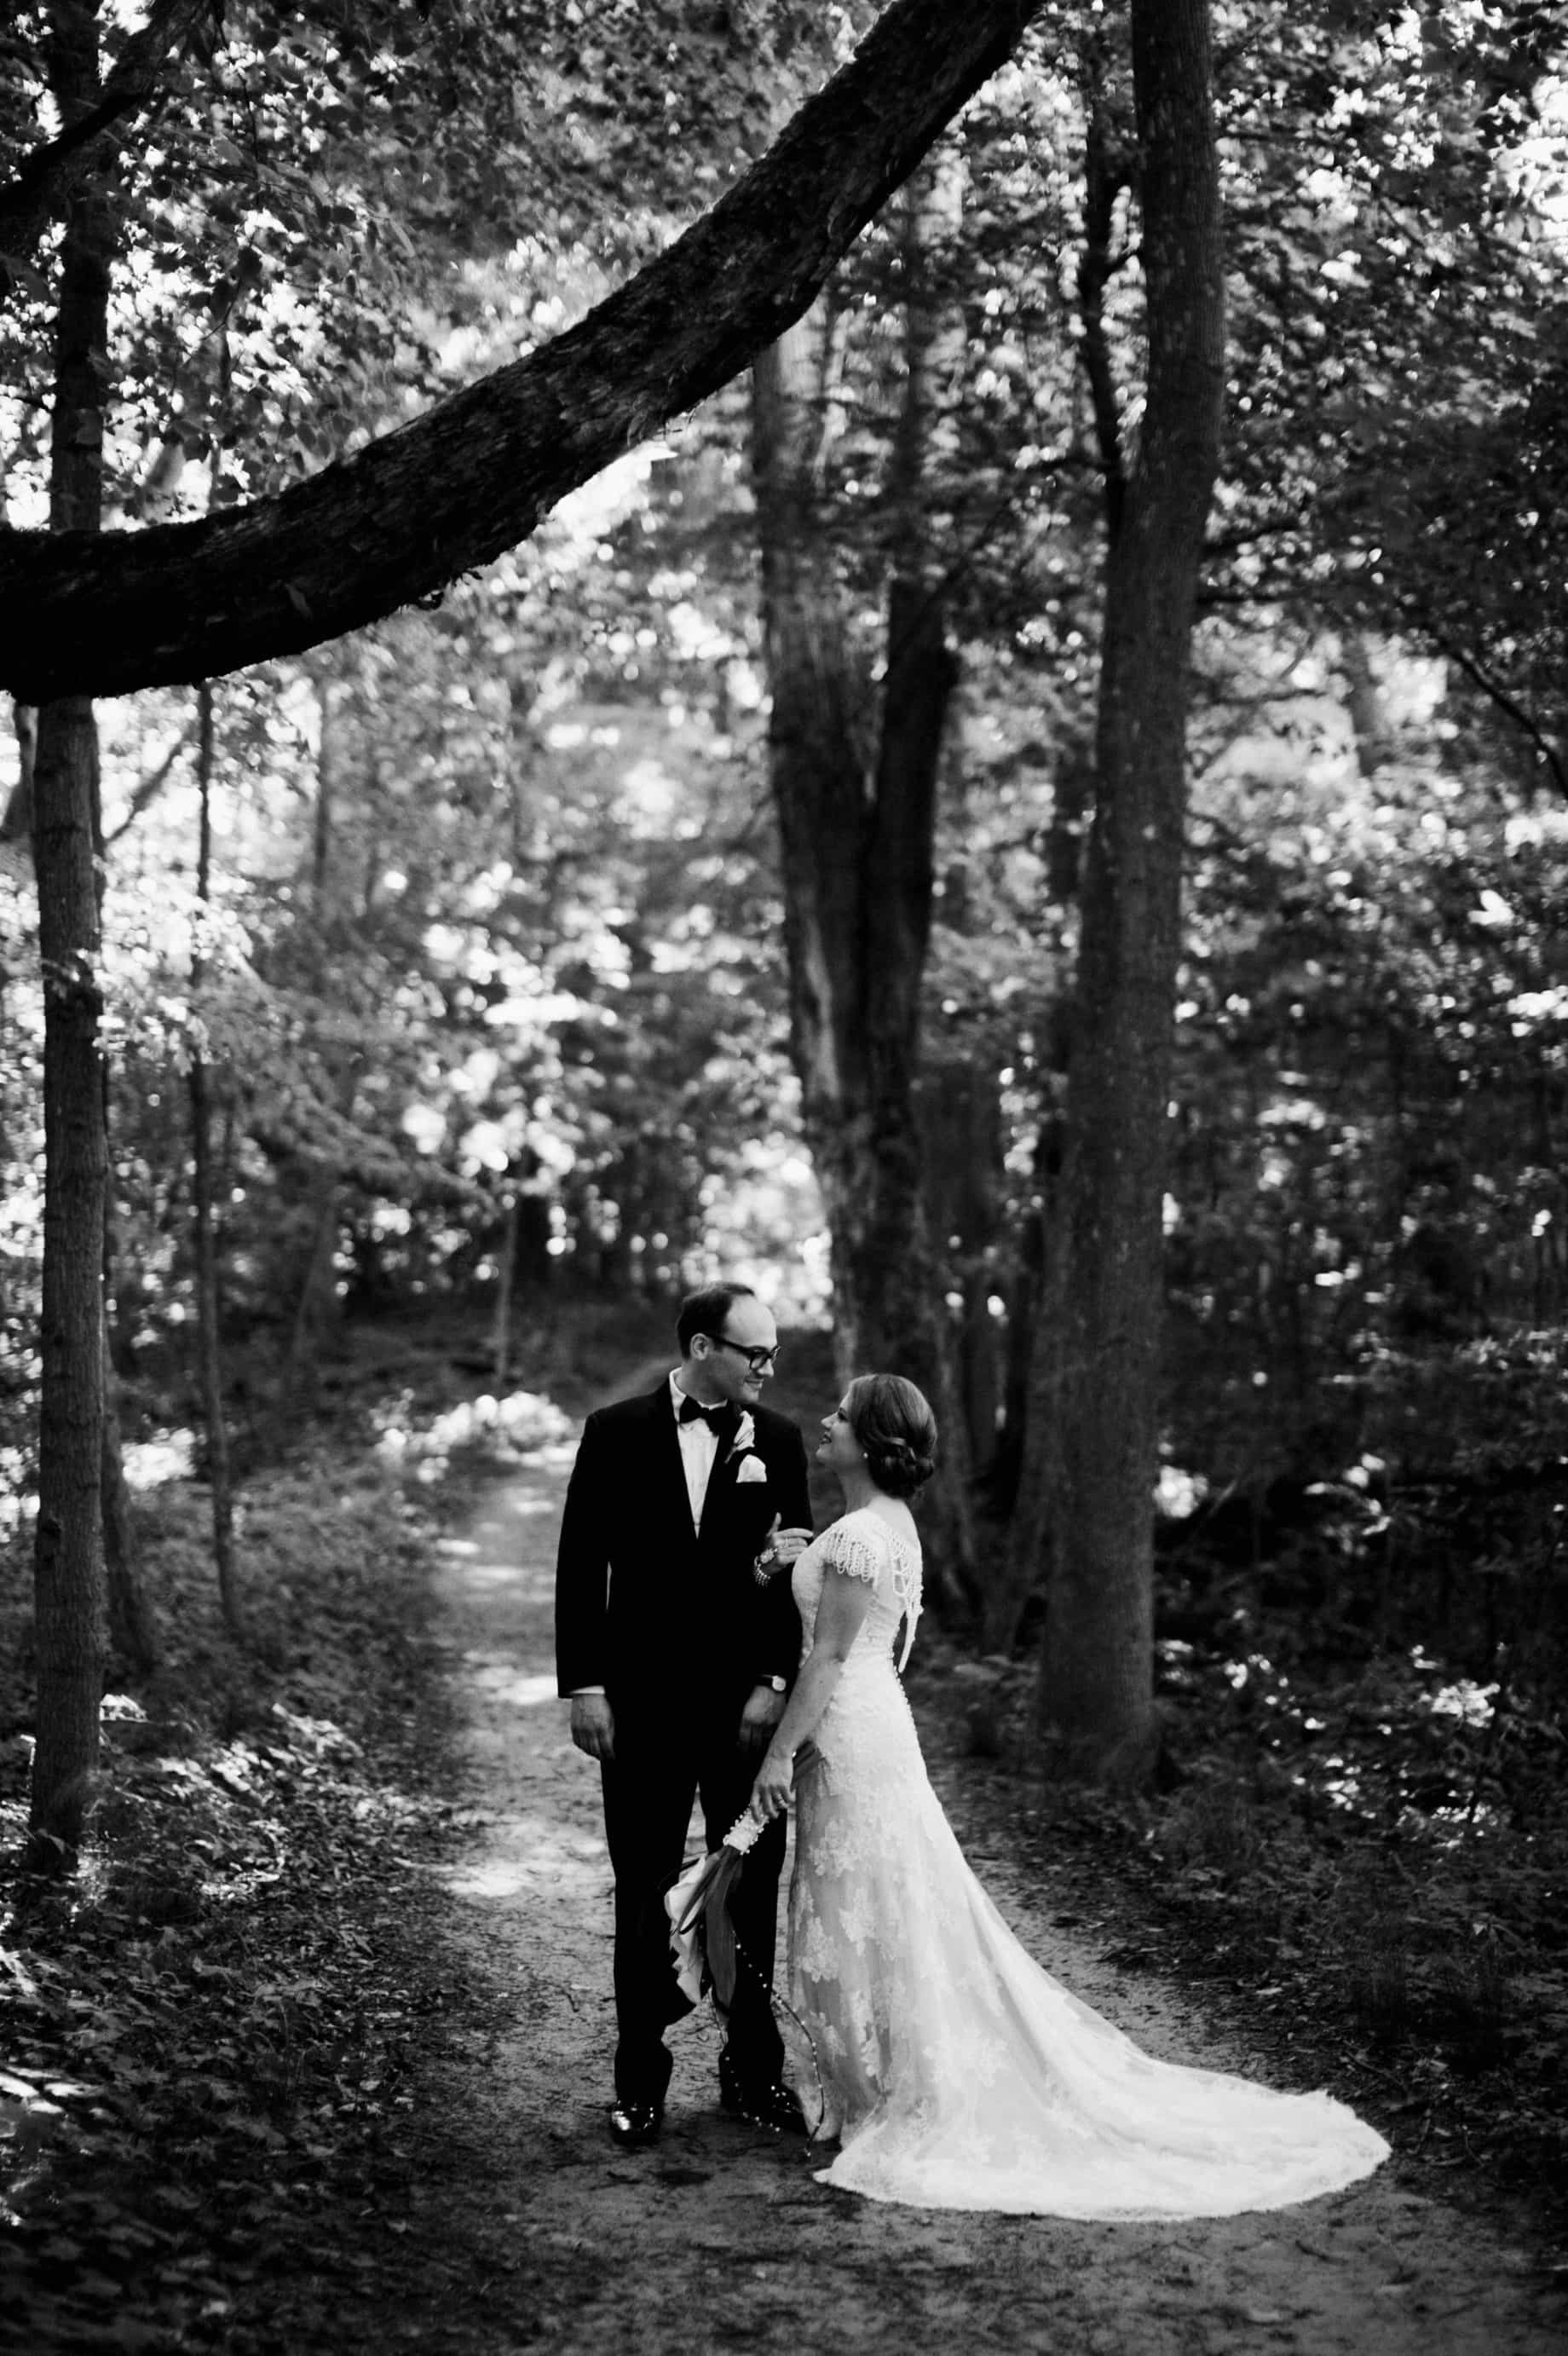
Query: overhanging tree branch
x,y
151,785
1476,671
108,614
44,181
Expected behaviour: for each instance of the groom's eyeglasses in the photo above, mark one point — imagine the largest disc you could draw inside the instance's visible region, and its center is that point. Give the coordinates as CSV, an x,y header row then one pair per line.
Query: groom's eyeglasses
x,y
761,1361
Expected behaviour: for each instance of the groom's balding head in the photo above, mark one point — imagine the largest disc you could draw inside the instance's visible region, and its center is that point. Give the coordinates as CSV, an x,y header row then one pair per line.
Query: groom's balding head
x,y
708,1312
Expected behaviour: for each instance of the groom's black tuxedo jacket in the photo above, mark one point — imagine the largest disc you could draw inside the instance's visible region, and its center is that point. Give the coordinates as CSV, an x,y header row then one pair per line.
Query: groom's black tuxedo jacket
x,y
648,1608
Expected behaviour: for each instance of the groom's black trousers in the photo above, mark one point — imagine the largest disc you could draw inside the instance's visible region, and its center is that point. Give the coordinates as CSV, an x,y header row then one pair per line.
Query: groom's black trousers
x,y
658,1768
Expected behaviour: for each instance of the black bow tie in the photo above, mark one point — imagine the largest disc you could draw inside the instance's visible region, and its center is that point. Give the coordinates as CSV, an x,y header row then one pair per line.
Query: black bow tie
x,y
716,1418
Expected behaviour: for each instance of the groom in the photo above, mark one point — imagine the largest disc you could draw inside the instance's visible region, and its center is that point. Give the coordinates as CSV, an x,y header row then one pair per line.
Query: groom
x,y
678,1658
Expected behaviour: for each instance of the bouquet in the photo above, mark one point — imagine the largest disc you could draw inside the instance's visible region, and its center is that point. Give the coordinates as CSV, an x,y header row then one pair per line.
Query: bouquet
x,y
701,1933
702,1937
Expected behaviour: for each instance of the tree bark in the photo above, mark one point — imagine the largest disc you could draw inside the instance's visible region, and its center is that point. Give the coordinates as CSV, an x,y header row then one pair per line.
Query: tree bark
x,y
179,603
505,1277
133,1625
16,825
69,1545
856,795
317,1309
1102,1336
209,1332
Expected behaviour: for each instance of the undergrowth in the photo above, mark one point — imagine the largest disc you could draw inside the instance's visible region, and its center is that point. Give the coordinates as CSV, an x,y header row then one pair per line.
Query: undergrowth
x,y
209,2033
1329,1856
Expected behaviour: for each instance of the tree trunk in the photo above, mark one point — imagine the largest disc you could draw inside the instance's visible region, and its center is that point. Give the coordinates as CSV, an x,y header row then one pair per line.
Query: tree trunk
x,y
69,1545
856,801
960,1129
1369,723
132,1626
1022,1484
1101,1339
16,826
505,1275
207,1295
315,1312
208,1312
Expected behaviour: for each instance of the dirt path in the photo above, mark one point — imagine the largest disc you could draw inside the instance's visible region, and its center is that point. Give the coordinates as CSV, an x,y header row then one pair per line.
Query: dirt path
x,y
717,2237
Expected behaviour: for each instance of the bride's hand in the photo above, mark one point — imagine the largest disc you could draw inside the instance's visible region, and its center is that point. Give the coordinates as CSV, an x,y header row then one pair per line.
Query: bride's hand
x,y
771,1792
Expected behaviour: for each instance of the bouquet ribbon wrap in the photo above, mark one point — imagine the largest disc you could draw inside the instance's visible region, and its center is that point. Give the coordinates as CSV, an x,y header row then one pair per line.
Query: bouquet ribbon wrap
x,y
702,1936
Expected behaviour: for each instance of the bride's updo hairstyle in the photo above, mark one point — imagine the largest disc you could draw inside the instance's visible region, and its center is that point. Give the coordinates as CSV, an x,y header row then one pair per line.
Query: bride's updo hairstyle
x,y
897,1429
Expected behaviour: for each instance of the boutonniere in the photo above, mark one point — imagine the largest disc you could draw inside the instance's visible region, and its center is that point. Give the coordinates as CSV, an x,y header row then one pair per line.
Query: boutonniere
x,y
750,1469
745,1434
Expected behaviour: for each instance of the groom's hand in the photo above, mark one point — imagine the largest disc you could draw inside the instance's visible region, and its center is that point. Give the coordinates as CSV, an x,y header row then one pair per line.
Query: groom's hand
x,y
593,1725
761,1714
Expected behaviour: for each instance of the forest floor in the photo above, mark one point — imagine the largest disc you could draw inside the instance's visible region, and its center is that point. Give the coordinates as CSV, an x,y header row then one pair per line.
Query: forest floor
x,y
425,2164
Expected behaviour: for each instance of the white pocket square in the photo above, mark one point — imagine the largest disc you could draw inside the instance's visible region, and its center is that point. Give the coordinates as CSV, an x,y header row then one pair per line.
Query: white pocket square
x,y
750,1469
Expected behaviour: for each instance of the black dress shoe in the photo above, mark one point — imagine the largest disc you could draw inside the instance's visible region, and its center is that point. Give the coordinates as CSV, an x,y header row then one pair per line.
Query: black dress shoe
x,y
635,2124
769,2103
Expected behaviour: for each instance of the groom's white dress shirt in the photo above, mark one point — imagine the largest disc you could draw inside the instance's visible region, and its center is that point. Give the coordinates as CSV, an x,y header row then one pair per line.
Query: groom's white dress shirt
x,y
699,1453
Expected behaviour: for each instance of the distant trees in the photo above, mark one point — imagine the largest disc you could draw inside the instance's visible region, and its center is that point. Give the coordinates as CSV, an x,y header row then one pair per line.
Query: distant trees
x,y
855,758
488,967
383,539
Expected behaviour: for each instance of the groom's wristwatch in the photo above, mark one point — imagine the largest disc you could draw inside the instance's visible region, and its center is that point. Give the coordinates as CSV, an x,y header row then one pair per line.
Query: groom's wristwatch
x,y
779,1685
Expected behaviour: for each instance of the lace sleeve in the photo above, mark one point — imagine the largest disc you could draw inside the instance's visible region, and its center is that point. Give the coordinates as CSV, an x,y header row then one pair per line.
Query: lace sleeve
x,y
907,1594
847,1551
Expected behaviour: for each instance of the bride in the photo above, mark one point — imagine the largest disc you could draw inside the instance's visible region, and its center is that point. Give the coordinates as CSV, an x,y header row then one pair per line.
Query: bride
x,y
956,2073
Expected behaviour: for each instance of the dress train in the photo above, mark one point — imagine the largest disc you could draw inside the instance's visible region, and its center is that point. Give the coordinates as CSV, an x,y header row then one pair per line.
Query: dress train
x,y
957,2073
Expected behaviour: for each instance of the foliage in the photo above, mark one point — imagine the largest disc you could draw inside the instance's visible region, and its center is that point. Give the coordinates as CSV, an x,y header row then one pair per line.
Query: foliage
x,y
197,2055
209,2038
495,913
1395,1843
1364,1871
303,261
1401,1016
1401,339
519,937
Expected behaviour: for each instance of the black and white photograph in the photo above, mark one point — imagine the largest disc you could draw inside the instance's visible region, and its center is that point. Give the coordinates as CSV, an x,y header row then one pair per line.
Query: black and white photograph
x,y
783,1177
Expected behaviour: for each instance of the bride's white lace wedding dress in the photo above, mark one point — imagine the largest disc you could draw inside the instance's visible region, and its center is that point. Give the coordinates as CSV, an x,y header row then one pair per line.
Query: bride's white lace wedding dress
x,y
956,2071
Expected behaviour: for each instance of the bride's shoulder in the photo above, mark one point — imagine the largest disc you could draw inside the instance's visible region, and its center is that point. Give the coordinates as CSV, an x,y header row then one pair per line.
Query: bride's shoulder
x,y
867,1525
850,1544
